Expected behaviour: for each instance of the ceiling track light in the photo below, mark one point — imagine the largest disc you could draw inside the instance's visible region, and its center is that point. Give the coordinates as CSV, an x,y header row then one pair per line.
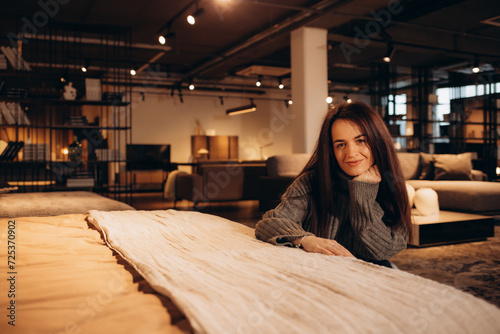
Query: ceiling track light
x,y
191,18
242,110
280,84
85,67
259,81
162,39
475,67
389,53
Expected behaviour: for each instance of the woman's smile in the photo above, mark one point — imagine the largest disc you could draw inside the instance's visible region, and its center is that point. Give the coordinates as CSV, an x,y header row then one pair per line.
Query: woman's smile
x,y
350,147
354,163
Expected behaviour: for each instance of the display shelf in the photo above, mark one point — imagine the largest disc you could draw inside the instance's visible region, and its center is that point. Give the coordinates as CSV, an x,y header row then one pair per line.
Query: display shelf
x,y
59,109
64,127
471,124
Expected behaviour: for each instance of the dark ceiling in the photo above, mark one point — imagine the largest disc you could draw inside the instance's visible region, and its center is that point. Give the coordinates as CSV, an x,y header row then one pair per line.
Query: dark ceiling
x,y
233,35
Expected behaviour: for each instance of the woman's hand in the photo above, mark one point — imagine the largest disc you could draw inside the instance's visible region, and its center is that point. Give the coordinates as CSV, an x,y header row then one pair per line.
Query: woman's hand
x,y
315,244
371,175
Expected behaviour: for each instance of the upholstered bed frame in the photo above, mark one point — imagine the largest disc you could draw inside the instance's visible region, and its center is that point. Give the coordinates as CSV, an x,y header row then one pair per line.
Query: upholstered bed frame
x,y
41,204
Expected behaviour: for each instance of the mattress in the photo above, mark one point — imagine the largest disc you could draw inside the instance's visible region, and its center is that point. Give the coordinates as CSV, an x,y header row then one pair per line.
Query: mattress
x,y
66,280
42,204
227,281
173,271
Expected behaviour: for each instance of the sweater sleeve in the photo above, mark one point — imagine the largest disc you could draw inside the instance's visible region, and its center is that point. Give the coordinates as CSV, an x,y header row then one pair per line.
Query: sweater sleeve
x,y
375,240
285,223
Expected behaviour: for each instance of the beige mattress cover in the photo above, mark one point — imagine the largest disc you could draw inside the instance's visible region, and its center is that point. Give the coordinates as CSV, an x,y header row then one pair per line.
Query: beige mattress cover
x,y
69,281
226,281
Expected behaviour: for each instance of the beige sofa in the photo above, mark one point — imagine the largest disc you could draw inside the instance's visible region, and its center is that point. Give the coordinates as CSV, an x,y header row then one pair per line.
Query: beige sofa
x,y
459,187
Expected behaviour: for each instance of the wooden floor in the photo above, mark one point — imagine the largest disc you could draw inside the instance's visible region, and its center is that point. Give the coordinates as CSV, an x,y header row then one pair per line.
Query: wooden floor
x,y
245,212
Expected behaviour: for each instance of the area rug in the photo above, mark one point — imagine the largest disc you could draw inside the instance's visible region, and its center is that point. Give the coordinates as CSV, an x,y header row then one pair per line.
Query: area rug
x,y
472,267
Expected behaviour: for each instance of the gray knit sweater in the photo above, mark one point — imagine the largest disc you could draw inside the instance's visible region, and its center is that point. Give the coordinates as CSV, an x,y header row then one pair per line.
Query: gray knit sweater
x,y
357,224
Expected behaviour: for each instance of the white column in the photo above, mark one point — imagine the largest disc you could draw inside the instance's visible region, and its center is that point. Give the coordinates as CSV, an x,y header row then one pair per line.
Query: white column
x,y
309,85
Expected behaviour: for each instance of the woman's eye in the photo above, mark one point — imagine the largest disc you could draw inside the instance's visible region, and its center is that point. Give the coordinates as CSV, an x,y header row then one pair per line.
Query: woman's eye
x,y
340,145
361,141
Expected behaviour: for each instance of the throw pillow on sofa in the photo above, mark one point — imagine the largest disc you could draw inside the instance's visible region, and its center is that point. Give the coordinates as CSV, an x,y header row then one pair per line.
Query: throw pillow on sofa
x,y
453,166
410,165
427,163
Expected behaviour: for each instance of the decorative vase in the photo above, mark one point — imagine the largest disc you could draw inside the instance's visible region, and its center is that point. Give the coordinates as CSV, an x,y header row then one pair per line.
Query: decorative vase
x,y
69,92
75,150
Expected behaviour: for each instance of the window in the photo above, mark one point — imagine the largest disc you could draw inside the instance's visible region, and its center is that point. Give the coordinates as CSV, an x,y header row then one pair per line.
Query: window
x,y
397,115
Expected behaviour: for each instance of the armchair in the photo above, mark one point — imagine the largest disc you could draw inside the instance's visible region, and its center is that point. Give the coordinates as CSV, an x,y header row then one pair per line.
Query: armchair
x,y
220,181
281,171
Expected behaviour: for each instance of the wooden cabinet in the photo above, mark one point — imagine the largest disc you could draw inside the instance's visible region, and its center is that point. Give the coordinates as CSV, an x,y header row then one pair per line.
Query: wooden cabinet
x,y
214,147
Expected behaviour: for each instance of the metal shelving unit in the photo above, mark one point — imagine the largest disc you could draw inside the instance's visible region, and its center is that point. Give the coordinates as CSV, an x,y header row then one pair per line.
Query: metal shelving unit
x,y
50,121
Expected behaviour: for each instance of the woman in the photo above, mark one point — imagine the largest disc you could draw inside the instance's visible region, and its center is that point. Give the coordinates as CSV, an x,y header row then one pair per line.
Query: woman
x,y
351,198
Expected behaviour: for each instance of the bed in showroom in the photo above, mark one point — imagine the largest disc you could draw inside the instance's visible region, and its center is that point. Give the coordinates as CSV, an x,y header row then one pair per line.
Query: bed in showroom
x,y
182,271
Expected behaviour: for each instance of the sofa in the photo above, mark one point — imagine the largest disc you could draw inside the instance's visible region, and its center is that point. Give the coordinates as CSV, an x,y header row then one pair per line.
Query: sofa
x,y
281,170
458,185
214,181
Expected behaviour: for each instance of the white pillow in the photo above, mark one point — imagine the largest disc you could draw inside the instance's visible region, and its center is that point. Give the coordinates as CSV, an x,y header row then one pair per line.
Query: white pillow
x,y
426,202
411,194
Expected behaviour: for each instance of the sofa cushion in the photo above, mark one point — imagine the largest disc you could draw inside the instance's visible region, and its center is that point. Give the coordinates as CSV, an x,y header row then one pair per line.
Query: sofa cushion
x,y
427,164
409,165
453,166
287,165
469,196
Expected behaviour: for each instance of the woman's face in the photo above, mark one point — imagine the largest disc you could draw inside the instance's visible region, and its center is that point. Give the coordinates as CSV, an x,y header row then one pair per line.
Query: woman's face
x,y
350,147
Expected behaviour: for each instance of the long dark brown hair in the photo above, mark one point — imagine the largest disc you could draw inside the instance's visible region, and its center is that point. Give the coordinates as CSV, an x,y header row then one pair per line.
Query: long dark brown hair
x,y
392,194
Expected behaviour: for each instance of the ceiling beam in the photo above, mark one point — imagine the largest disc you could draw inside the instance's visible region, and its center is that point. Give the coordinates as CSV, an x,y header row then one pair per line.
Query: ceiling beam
x,y
324,7
284,6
